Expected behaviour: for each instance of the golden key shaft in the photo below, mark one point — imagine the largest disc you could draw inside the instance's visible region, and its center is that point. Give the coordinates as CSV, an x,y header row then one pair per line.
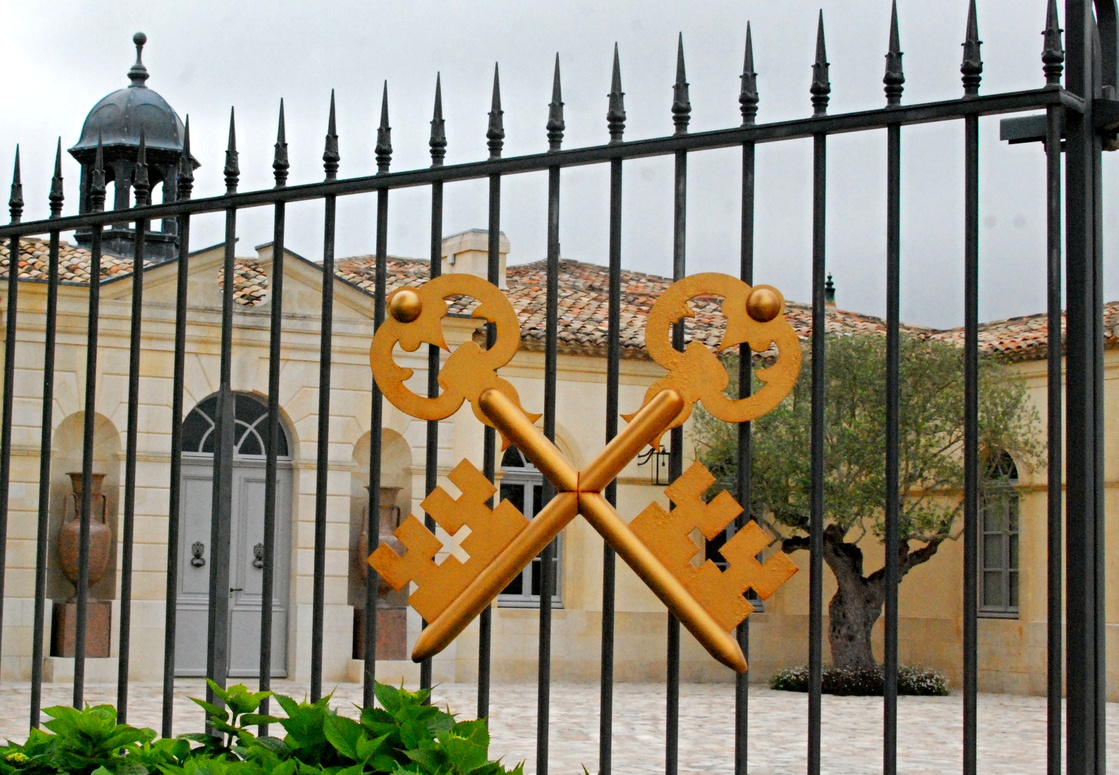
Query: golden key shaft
x,y
511,421
579,492
718,642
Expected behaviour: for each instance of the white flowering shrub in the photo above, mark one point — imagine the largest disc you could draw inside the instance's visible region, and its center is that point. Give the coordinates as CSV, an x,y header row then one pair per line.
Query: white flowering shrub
x,y
912,680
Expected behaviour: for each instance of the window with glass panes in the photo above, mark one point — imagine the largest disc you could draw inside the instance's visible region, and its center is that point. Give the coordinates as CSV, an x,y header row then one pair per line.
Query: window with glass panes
x,y
998,549
523,486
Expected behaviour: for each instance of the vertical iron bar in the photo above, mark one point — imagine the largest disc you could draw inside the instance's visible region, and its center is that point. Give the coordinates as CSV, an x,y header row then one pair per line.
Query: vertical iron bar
x,y
50,334
547,576
376,420
128,530
174,505
744,454
97,202
217,661
748,100
816,524
681,116
1080,387
1054,396
431,463
16,203
609,558
326,335
383,152
894,84
676,465
271,474
1106,30
437,142
489,441
87,475
971,438
893,447
821,91
87,465
495,141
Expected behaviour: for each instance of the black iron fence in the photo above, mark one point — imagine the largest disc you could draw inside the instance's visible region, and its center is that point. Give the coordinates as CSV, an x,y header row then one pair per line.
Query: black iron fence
x,y
1081,116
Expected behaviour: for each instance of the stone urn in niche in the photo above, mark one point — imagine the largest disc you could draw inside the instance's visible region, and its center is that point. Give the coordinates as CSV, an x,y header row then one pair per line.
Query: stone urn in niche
x,y
392,627
69,535
390,521
98,612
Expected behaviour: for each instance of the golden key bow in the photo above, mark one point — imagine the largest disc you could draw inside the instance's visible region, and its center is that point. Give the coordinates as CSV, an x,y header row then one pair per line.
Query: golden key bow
x,y
708,601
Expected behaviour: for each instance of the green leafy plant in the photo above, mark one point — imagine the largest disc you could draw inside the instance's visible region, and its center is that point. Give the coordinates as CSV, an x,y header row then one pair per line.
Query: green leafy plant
x,y
405,736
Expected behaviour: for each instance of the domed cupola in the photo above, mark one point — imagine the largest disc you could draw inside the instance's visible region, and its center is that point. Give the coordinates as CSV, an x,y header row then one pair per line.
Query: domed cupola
x,y
118,120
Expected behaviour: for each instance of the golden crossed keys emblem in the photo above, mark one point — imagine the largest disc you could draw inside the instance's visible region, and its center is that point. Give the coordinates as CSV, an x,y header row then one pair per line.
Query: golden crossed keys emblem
x,y
449,593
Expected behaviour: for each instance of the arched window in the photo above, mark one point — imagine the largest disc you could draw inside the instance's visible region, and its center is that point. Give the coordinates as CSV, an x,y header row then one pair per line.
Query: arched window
x,y
250,428
998,537
523,486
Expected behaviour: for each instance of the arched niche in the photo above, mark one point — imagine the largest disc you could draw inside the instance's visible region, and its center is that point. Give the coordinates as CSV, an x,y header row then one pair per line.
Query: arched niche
x,y
396,472
67,457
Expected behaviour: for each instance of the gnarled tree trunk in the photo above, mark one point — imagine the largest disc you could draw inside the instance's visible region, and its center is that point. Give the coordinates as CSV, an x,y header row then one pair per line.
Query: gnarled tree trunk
x,y
858,600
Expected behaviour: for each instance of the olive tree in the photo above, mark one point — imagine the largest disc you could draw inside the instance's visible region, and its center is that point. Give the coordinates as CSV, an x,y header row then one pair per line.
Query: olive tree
x,y
929,494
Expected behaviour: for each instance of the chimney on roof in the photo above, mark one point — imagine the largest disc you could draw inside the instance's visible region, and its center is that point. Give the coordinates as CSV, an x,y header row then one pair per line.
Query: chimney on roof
x,y
829,293
468,253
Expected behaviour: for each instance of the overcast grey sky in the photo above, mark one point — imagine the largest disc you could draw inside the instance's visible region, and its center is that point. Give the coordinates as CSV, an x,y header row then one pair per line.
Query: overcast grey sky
x,y
204,56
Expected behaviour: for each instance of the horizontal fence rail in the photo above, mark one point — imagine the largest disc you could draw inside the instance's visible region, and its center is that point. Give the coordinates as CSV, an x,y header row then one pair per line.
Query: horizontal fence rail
x,y
1077,121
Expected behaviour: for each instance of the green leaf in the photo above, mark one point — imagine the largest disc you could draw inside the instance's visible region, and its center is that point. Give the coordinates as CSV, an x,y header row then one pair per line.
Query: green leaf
x,y
463,754
273,744
240,700
345,735
256,719
213,711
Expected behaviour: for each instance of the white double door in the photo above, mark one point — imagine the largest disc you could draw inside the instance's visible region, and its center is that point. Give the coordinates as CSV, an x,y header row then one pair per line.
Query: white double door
x,y
246,572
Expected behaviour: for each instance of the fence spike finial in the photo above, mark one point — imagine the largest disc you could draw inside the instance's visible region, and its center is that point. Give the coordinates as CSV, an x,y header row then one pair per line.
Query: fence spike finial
x,y
232,166
330,155
616,111
821,85
138,74
438,141
555,124
748,94
97,179
972,66
140,182
383,149
186,165
1053,55
495,134
56,197
681,101
280,160
15,201
895,77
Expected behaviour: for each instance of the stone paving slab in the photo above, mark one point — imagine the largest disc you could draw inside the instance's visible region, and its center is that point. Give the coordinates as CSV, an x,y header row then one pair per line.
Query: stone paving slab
x,y
1011,728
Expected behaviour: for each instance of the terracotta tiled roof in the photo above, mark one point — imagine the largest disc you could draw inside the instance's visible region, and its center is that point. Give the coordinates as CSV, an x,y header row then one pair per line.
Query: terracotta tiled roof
x,y
1026,338
250,283
73,262
583,302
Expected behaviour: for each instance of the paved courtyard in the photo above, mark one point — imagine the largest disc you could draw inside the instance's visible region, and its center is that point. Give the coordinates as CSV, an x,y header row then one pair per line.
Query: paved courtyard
x,y
1011,728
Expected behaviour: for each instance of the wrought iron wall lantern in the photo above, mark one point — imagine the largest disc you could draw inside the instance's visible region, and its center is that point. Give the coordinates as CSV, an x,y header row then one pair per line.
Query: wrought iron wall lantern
x,y
658,457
